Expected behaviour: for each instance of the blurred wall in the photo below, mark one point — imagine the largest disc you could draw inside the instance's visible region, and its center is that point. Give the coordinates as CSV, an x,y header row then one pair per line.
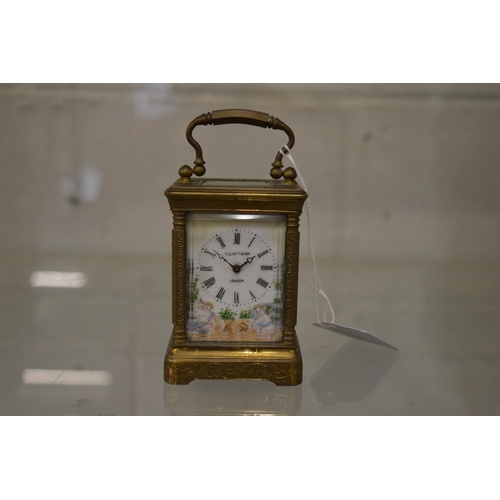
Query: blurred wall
x,y
396,171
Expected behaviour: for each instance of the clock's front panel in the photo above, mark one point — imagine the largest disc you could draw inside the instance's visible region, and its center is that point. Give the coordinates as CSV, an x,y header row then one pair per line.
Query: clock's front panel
x,y
235,272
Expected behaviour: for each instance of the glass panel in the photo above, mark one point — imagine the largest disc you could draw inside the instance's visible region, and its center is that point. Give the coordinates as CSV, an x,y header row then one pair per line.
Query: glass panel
x,y
237,183
235,277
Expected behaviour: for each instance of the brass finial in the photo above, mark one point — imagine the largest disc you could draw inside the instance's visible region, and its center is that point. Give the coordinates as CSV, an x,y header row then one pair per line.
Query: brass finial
x,y
185,172
290,175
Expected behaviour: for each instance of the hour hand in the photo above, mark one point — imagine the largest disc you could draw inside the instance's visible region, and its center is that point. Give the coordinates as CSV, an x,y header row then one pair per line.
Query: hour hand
x,y
248,261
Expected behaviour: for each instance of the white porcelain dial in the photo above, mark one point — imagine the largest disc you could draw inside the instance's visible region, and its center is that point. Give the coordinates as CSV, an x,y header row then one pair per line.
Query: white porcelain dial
x,y
237,268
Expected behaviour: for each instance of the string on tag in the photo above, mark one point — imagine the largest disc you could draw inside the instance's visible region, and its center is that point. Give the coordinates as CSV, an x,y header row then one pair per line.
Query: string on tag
x,y
316,285
342,330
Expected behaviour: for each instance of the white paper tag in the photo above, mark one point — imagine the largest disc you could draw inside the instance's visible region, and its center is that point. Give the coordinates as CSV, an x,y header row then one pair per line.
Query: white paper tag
x,y
343,330
354,333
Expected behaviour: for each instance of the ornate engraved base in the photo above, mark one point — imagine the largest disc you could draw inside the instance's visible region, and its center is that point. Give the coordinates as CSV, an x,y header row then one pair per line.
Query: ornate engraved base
x,y
278,364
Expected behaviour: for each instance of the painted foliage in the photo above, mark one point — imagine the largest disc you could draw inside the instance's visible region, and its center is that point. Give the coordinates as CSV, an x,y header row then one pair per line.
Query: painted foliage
x,y
211,322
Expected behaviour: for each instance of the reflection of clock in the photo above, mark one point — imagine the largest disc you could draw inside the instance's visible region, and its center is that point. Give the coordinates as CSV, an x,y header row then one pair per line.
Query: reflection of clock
x,y
235,256
237,268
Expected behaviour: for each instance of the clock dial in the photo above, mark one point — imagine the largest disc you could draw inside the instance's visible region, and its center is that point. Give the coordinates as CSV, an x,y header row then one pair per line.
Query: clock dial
x,y
235,267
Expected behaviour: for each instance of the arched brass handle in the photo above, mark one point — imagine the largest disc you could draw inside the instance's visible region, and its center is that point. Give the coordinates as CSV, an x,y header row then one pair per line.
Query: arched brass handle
x,y
244,116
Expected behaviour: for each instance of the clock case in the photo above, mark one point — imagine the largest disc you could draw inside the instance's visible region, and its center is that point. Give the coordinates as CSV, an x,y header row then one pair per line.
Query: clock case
x,y
278,362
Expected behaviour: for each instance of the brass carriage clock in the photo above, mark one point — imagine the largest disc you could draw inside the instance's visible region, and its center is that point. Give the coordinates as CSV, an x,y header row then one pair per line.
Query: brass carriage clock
x,y
235,259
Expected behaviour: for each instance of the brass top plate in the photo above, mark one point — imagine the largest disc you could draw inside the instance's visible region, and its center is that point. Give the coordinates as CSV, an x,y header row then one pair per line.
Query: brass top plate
x,y
236,194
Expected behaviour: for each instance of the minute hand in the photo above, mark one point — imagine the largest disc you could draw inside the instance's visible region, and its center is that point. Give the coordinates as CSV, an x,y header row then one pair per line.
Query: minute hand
x,y
222,257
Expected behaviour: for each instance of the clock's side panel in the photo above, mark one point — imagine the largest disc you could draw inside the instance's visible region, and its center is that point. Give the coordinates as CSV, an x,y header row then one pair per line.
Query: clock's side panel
x,y
179,277
292,246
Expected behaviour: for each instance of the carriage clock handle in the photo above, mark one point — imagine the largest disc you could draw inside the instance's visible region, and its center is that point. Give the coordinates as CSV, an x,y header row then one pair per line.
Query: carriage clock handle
x,y
244,116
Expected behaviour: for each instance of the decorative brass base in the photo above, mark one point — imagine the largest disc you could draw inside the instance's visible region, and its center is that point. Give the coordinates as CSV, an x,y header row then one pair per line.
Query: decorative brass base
x,y
278,364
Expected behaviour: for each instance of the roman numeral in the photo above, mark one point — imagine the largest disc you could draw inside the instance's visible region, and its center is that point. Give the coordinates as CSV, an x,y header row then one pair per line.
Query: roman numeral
x,y
251,241
222,244
262,283
221,293
237,237
209,282
205,268
266,268
252,295
209,253
236,298
261,254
